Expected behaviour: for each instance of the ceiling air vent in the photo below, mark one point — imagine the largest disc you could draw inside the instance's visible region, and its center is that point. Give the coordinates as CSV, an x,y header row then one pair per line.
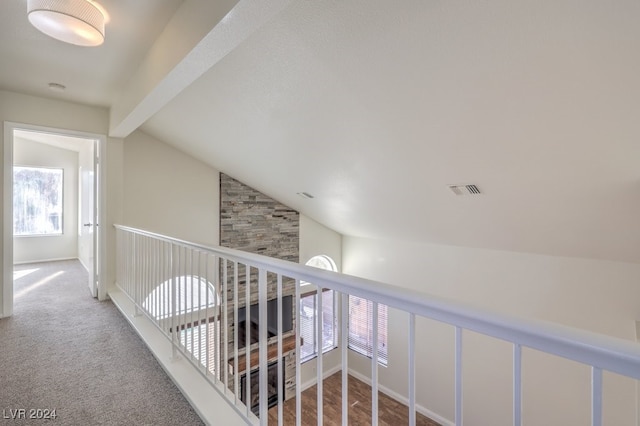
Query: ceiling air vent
x,y
465,189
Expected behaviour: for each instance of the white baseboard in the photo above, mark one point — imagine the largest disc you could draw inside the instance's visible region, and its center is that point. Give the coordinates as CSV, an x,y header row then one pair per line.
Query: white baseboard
x,y
306,385
83,265
27,262
403,399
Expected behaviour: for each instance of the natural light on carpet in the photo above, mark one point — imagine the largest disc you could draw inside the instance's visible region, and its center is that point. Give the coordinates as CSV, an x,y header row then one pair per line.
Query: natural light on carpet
x,y
19,274
37,284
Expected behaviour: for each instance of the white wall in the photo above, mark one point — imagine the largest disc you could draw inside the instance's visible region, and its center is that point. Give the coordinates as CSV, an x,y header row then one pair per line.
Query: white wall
x,y
169,192
316,239
65,246
25,109
595,295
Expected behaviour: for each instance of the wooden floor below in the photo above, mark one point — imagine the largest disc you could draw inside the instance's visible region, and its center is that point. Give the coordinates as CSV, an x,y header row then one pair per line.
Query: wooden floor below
x,y
390,411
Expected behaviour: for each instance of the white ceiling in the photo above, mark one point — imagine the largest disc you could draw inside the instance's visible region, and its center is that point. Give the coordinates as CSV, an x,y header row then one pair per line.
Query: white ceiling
x,y
374,107
70,143
95,76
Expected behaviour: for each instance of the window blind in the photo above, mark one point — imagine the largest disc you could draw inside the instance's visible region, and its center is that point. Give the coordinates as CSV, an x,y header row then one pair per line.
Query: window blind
x,y
361,328
190,339
308,324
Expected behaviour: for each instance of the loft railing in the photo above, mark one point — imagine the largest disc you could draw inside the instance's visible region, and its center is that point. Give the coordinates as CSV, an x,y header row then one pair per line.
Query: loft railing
x,y
195,295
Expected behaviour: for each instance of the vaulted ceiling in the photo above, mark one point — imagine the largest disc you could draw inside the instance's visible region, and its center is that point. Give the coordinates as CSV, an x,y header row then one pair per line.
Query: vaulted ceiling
x,y
375,107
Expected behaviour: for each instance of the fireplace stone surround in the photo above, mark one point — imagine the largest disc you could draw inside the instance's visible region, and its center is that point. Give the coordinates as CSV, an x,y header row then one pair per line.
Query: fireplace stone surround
x,y
253,222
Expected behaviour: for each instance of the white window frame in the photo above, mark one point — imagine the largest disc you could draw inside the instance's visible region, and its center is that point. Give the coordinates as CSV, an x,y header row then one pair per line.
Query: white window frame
x,y
310,291
60,202
362,343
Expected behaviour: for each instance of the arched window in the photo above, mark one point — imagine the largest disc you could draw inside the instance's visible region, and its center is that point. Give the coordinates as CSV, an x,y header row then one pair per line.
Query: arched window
x,y
193,294
309,315
323,262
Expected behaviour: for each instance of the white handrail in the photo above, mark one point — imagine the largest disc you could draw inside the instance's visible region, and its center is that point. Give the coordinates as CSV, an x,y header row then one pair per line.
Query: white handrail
x,y
597,350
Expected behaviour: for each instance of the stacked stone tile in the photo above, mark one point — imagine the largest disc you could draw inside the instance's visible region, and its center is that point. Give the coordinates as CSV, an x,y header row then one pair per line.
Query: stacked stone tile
x,y
253,222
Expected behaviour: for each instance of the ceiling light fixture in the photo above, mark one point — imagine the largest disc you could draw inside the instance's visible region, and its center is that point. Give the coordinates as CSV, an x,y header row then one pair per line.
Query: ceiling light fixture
x,y
78,22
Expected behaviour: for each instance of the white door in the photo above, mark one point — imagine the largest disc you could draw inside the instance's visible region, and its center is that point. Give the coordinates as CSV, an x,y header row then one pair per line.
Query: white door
x,y
88,237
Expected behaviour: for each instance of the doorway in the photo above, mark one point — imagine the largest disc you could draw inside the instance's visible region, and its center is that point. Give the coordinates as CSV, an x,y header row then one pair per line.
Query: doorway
x,y
79,226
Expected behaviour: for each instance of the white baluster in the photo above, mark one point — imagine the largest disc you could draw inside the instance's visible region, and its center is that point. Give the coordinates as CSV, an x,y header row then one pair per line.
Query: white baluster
x,y
262,344
412,369
517,384
344,345
374,366
319,359
458,377
280,366
596,396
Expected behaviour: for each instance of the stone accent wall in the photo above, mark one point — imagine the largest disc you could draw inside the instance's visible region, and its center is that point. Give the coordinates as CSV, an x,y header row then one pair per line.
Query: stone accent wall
x,y
253,222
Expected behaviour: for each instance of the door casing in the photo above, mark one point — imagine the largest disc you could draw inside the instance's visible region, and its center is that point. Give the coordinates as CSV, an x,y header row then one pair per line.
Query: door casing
x,y
6,309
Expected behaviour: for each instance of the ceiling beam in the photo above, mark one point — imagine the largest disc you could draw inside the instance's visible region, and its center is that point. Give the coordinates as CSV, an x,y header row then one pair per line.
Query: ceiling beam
x,y
197,37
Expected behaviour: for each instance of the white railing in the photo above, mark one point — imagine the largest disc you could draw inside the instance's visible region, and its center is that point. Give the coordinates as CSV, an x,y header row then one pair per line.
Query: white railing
x,y
194,294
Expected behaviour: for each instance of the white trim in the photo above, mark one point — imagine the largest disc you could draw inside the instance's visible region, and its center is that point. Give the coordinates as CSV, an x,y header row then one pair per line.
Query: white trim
x,y
6,307
102,218
403,399
638,381
83,265
40,235
57,259
311,382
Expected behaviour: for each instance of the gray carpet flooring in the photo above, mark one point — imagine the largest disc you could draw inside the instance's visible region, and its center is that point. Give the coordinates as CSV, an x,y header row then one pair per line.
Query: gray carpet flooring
x,y
66,351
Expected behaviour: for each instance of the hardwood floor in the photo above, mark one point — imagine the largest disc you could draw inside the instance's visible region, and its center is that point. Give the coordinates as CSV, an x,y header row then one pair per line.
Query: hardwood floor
x,y
390,411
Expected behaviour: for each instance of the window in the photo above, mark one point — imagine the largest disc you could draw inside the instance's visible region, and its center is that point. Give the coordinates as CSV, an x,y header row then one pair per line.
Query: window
x,y
37,201
309,314
309,324
193,295
199,340
195,311
361,328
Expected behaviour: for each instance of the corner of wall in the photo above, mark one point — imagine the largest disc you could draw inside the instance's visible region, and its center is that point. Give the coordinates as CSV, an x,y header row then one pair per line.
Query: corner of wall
x,y
6,250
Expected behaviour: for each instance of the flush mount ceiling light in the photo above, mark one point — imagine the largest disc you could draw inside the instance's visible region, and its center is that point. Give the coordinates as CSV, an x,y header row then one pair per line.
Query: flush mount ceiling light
x,y
78,22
